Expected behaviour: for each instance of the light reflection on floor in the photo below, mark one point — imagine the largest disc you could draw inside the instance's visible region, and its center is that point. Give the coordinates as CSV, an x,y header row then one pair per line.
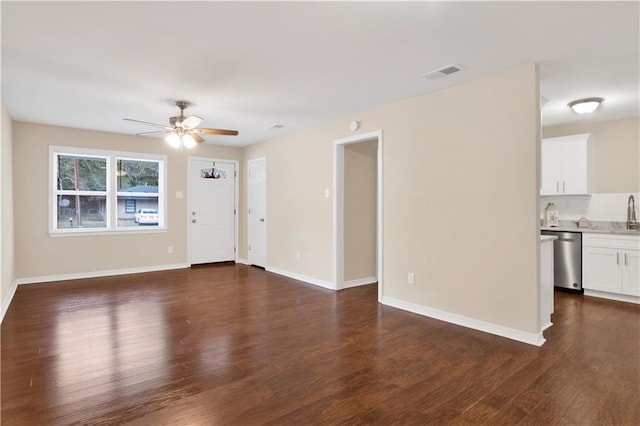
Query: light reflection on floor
x,y
100,345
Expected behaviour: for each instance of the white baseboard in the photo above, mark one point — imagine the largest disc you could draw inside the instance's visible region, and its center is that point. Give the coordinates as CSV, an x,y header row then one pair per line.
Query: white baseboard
x,y
300,277
547,326
487,327
7,301
612,296
243,261
96,274
358,282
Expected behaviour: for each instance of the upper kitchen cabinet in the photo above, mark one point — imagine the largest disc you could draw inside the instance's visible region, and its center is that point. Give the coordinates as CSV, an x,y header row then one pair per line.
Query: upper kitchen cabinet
x,y
566,165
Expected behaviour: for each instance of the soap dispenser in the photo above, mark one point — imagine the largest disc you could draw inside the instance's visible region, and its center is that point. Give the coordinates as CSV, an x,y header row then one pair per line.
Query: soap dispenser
x,y
551,216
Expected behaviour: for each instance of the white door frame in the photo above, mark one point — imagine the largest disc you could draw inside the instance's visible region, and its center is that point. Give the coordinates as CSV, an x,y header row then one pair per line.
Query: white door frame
x,y
338,207
253,160
235,202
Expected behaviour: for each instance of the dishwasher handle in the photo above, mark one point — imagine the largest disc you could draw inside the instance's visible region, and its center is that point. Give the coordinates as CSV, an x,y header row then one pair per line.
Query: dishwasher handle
x,y
570,240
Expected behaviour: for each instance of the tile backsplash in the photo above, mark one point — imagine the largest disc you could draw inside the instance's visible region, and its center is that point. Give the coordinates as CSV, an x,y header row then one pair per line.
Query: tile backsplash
x,y
601,207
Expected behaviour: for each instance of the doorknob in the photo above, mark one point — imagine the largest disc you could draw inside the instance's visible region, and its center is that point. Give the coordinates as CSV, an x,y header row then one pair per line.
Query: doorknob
x,y
193,221
262,219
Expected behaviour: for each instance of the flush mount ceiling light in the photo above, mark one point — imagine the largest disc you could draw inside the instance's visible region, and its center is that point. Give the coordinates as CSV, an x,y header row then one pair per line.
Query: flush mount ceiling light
x,y
586,105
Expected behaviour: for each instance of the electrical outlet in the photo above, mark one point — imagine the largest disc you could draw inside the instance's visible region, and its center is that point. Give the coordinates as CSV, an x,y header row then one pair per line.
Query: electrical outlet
x,y
411,278
170,249
297,255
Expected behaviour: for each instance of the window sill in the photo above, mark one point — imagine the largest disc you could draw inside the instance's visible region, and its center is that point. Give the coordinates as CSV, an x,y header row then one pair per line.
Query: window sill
x,y
95,232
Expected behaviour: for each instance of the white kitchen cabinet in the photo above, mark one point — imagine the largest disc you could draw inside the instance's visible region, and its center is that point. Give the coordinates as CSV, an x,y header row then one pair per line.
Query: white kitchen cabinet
x,y
611,264
601,269
566,165
546,280
631,273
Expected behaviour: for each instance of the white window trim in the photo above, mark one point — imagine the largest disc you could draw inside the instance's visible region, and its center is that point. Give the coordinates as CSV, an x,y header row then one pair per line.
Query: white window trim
x,y
111,193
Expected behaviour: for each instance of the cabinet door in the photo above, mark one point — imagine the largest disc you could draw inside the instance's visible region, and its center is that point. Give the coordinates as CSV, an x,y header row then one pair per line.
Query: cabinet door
x,y
550,168
601,269
575,178
631,273
565,165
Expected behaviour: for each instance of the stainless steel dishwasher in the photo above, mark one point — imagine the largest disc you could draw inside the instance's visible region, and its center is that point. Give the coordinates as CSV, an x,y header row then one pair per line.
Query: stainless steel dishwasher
x,y
567,259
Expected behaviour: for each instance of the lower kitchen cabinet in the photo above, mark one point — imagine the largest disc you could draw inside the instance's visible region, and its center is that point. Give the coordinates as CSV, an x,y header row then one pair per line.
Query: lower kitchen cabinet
x,y
631,273
611,264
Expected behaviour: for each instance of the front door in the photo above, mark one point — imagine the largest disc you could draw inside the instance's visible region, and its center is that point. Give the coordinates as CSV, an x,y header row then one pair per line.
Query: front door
x,y
211,211
257,204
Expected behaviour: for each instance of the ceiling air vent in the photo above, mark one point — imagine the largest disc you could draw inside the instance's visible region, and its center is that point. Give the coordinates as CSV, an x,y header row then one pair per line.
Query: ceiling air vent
x,y
442,72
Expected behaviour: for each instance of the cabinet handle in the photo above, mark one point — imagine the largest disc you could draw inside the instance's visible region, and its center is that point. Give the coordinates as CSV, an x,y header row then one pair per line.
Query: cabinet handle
x,y
625,259
617,258
563,190
557,186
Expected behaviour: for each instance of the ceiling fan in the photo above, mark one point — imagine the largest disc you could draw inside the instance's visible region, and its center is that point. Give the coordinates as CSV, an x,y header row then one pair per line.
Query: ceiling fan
x,y
183,131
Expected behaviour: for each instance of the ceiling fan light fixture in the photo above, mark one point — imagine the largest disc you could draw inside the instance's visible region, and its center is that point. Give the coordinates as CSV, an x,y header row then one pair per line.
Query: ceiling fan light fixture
x,y
188,141
586,105
173,140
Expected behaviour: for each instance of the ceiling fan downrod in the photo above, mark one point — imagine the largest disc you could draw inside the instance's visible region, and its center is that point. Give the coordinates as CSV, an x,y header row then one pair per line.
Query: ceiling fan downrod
x,y
182,105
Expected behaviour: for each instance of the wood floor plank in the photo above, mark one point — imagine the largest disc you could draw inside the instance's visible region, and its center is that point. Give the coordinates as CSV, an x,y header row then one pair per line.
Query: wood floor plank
x,y
235,345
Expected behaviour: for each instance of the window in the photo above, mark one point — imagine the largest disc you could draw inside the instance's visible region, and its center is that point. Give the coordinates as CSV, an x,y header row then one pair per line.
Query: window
x,y
129,206
103,191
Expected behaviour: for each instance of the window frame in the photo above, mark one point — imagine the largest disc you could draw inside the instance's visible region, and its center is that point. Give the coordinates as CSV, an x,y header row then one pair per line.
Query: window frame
x,y
111,193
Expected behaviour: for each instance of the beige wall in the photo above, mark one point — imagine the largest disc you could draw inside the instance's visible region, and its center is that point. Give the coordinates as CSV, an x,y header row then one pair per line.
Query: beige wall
x,y
299,216
460,198
360,210
39,255
615,155
7,273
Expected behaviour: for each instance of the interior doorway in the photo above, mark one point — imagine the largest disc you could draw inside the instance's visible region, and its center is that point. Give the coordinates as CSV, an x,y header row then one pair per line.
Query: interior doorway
x,y
358,220
212,210
257,211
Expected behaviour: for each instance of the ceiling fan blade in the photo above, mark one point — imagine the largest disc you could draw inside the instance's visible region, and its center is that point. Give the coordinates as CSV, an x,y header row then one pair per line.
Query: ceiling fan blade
x,y
197,138
191,122
159,132
215,132
147,123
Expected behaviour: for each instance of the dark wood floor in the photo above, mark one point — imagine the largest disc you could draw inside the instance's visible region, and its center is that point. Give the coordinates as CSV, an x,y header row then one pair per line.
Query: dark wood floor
x,y
232,344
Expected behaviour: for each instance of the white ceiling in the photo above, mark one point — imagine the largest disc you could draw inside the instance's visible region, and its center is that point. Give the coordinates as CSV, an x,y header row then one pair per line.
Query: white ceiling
x,y
249,65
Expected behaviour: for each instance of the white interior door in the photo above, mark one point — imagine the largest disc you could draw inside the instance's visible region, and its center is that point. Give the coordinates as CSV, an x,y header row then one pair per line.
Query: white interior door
x,y
257,209
211,211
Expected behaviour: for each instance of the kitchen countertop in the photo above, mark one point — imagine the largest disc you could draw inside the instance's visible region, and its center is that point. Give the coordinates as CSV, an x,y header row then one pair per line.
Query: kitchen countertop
x,y
595,227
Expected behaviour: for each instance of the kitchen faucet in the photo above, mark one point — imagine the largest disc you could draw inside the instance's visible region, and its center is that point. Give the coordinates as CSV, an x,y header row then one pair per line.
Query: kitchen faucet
x,y
632,222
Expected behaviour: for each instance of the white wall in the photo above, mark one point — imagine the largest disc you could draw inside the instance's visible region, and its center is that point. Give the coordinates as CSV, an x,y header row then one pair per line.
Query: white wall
x,y
7,272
